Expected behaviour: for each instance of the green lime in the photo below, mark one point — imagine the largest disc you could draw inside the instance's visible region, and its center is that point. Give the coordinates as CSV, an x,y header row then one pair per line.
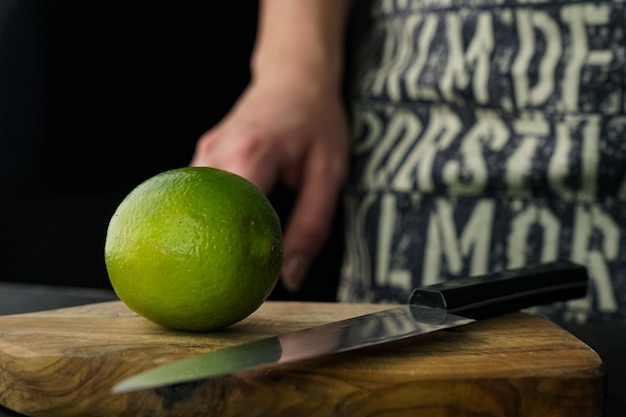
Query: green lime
x,y
194,249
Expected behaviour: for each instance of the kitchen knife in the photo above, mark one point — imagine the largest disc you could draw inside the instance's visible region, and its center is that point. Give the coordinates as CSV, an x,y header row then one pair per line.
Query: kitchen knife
x,y
436,307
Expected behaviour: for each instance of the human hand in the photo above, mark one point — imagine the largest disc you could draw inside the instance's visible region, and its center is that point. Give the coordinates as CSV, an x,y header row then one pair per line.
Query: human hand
x,y
295,133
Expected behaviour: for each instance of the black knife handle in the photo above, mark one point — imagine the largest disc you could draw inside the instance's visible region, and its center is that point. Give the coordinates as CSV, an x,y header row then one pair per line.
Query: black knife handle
x,y
507,291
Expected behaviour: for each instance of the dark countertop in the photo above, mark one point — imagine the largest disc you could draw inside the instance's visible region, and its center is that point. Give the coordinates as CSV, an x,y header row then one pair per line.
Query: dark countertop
x,y
608,340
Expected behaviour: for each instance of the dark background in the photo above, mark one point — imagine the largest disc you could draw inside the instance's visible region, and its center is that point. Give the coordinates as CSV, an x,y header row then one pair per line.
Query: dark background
x,y
97,96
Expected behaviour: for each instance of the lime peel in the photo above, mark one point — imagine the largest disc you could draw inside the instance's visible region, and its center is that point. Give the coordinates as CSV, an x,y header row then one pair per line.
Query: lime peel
x,y
194,248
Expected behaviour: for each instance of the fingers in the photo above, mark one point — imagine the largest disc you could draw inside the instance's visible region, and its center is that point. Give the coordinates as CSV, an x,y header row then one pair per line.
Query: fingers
x,y
247,155
312,216
294,135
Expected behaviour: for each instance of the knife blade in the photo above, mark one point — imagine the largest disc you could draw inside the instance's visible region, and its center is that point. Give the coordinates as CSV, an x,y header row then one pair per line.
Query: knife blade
x,y
441,306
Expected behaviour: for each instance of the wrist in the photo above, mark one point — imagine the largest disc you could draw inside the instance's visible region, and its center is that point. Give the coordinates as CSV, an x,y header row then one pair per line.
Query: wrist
x,y
301,41
287,68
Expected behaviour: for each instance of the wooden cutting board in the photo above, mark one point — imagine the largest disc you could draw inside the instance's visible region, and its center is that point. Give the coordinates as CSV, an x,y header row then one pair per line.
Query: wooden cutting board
x,y
64,363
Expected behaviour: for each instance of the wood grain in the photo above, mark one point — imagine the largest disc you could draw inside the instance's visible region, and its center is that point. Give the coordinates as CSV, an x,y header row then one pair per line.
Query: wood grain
x,y
64,363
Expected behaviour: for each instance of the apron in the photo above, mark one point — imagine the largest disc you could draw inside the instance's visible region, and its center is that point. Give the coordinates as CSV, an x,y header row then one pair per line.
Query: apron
x,y
487,135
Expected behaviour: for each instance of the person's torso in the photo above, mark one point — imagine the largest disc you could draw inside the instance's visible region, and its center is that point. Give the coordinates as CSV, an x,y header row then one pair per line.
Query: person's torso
x,y
488,134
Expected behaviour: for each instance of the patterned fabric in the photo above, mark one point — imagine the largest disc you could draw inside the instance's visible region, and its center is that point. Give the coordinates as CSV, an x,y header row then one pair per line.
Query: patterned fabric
x,y
488,134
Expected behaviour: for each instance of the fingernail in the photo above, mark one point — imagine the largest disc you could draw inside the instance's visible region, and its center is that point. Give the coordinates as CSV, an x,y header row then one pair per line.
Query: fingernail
x,y
295,270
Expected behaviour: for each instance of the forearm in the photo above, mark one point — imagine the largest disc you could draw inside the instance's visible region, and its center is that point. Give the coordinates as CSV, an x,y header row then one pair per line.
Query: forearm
x,y
301,40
